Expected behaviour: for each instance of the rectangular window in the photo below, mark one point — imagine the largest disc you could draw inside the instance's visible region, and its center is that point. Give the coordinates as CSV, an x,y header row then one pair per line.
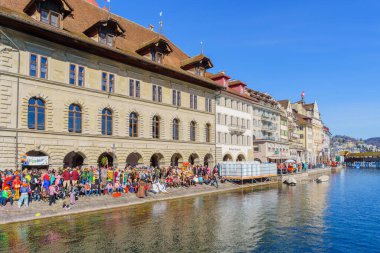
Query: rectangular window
x,y
178,98
131,87
73,70
44,67
109,40
134,88
102,37
159,57
45,16
54,19
159,94
111,84
104,81
33,65
81,76
193,101
154,92
76,75
137,83
174,97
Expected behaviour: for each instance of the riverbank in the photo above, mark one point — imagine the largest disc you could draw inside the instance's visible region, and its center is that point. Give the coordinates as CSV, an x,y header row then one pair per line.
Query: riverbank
x,y
41,210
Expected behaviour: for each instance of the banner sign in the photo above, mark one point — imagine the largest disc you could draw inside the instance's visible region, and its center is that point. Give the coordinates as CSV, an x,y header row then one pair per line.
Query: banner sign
x,y
37,161
363,164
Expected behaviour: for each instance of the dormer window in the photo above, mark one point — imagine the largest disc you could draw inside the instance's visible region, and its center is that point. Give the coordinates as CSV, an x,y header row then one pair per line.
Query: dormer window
x,y
200,71
50,17
50,12
105,32
155,49
197,65
106,38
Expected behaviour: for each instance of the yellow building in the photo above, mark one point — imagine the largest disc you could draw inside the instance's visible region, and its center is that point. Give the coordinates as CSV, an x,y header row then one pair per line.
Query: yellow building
x,y
78,83
310,130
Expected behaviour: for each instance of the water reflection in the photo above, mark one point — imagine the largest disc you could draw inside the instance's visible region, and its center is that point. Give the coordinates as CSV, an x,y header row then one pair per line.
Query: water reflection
x,y
271,219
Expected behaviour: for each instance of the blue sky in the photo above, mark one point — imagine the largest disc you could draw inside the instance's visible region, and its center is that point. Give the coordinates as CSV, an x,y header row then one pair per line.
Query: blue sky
x,y
330,49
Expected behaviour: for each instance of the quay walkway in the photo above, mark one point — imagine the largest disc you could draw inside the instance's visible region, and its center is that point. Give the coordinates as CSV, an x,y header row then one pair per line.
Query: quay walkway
x,y
41,210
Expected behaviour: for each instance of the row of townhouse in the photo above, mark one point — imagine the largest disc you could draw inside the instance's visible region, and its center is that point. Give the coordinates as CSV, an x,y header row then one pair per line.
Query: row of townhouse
x,y
78,83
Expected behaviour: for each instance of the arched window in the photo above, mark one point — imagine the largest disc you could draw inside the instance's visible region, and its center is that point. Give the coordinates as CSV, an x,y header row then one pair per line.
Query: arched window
x,y
208,133
75,118
36,114
175,129
156,127
106,122
192,130
133,125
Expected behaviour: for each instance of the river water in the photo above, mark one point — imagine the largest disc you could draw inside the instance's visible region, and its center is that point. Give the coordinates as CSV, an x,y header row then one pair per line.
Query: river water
x,y
342,215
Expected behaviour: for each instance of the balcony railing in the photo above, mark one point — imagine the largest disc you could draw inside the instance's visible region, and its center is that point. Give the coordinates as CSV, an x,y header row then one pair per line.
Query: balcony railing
x,y
267,118
235,128
269,128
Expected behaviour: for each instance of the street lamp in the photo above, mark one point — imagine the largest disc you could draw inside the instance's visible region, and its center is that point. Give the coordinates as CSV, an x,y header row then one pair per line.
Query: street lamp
x,y
114,156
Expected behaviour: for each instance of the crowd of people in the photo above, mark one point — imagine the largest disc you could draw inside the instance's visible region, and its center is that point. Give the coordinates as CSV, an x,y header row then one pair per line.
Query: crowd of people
x,y
48,185
293,167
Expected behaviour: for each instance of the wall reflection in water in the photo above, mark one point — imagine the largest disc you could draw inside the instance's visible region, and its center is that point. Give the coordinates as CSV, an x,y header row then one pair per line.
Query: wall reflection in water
x,y
266,219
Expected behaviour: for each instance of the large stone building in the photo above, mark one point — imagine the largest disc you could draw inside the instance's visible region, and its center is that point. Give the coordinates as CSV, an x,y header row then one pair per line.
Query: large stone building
x,y
78,83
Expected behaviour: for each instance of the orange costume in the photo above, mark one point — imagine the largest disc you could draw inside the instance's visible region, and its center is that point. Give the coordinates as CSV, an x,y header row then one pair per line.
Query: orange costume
x,y
16,185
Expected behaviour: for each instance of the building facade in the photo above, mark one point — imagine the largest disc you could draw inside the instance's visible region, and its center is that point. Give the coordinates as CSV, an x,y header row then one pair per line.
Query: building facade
x,y
294,132
310,129
233,121
267,143
78,90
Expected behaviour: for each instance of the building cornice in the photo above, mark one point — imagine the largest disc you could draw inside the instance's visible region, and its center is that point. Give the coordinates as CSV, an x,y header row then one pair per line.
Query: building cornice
x,y
106,137
86,89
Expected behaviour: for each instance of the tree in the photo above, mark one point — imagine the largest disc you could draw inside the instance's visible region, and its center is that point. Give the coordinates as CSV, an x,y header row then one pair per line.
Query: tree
x,y
104,161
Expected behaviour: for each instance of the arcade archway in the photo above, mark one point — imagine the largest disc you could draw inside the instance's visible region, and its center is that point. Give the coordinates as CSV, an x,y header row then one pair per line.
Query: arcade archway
x,y
134,159
74,159
176,160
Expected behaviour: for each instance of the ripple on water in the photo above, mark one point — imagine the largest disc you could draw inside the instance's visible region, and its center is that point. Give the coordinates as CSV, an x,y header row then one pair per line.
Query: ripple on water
x,y
339,216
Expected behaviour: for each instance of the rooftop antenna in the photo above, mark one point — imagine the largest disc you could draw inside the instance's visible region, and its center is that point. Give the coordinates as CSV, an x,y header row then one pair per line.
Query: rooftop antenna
x,y
161,24
202,47
109,7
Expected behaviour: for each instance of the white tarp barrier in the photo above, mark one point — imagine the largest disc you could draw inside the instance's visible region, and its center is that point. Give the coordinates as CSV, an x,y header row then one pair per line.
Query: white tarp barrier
x,y
247,169
37,161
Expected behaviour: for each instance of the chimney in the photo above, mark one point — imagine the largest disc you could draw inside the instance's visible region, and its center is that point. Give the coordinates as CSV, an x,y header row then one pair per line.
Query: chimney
x,y
151,27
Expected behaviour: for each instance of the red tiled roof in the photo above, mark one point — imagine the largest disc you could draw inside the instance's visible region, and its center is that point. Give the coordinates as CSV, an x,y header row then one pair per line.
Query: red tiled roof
x,y
85,15
236,82
218,75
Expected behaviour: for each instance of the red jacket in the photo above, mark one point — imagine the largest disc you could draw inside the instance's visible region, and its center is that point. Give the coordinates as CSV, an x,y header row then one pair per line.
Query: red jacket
x,y
75,175
66,175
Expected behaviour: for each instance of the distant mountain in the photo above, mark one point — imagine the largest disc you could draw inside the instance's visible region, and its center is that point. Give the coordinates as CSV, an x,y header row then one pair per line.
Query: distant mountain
x,y
344,138
373,141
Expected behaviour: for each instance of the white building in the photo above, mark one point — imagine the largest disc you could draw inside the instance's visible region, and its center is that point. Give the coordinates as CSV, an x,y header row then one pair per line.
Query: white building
x,y
233,121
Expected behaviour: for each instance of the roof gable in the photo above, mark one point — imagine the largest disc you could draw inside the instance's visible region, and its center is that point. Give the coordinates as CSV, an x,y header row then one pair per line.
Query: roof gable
x,y
65,8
